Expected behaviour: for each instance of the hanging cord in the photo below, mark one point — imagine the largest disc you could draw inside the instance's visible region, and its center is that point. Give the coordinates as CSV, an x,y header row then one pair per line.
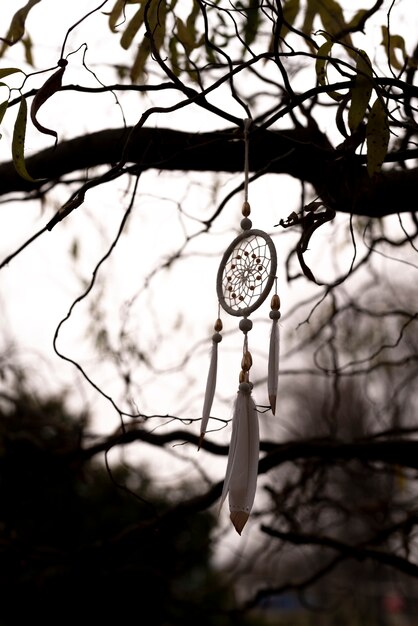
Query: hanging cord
x,y
247,124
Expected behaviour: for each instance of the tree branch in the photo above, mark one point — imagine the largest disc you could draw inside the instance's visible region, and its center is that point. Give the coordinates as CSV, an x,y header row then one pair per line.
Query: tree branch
x,y
341,180
394,451
360,553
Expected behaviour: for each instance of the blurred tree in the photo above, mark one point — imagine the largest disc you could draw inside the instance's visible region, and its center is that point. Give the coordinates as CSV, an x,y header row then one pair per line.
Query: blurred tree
x,y
351,515
75,547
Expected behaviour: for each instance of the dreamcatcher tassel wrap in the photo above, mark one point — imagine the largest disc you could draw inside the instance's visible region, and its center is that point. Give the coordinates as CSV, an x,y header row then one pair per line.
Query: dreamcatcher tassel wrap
x,y
211,380
274,353
242,469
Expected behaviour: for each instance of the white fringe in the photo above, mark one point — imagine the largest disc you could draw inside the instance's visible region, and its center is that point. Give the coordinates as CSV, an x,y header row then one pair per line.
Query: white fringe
x,y
242,468
273,365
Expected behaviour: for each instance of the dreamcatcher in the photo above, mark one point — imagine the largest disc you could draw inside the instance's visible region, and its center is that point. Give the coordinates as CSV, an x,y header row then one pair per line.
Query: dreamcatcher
x,y
246,276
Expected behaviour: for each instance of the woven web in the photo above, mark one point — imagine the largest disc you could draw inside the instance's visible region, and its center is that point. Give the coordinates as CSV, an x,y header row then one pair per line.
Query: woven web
x,y
246,272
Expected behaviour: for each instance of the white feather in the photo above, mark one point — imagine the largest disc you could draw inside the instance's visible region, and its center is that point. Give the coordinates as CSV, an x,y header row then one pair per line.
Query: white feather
x,y
242,468
273,364
210,388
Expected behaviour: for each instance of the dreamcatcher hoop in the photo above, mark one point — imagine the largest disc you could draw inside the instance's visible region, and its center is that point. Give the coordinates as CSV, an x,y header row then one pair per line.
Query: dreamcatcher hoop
x,y
246,273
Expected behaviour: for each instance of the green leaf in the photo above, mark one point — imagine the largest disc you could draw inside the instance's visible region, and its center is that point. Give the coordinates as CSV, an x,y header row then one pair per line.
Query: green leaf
x,y
290,12
331,15
133,27
3,108
356,20
191,19
174,56
377,137
157,16
17,25
156,23
74,250
138,67
27,44
310,13
18,141
361,92
115,14
6,71
321,65
252,21
393,43
186,36
187,32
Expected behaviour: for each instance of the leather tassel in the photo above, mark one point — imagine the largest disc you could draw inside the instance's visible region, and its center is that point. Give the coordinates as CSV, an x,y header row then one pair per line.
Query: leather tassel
x,y
211,380
274,353
242,468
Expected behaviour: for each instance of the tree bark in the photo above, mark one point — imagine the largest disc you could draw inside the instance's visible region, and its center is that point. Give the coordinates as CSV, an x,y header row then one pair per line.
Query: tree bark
x,y
339,178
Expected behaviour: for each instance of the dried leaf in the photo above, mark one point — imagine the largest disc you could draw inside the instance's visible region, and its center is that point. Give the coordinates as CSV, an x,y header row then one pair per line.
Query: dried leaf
x,y
51,86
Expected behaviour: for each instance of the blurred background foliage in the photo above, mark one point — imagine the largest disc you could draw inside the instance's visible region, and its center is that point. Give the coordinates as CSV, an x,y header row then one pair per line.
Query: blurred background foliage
x,y
76,547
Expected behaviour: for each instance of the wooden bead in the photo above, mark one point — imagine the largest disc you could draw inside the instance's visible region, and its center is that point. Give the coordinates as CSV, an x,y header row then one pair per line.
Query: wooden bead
x,y
246,361
218,325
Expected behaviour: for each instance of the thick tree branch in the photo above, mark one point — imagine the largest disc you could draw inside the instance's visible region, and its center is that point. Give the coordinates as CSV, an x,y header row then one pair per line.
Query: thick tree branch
x,y
400,452
341,180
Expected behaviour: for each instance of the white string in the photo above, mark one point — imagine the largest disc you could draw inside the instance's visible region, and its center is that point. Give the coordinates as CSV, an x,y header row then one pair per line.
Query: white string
x,y
247,124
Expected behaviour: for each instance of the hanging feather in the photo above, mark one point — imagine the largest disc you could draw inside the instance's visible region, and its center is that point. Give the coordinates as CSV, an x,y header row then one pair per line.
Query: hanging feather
x,y
211,380
242,468
274,353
